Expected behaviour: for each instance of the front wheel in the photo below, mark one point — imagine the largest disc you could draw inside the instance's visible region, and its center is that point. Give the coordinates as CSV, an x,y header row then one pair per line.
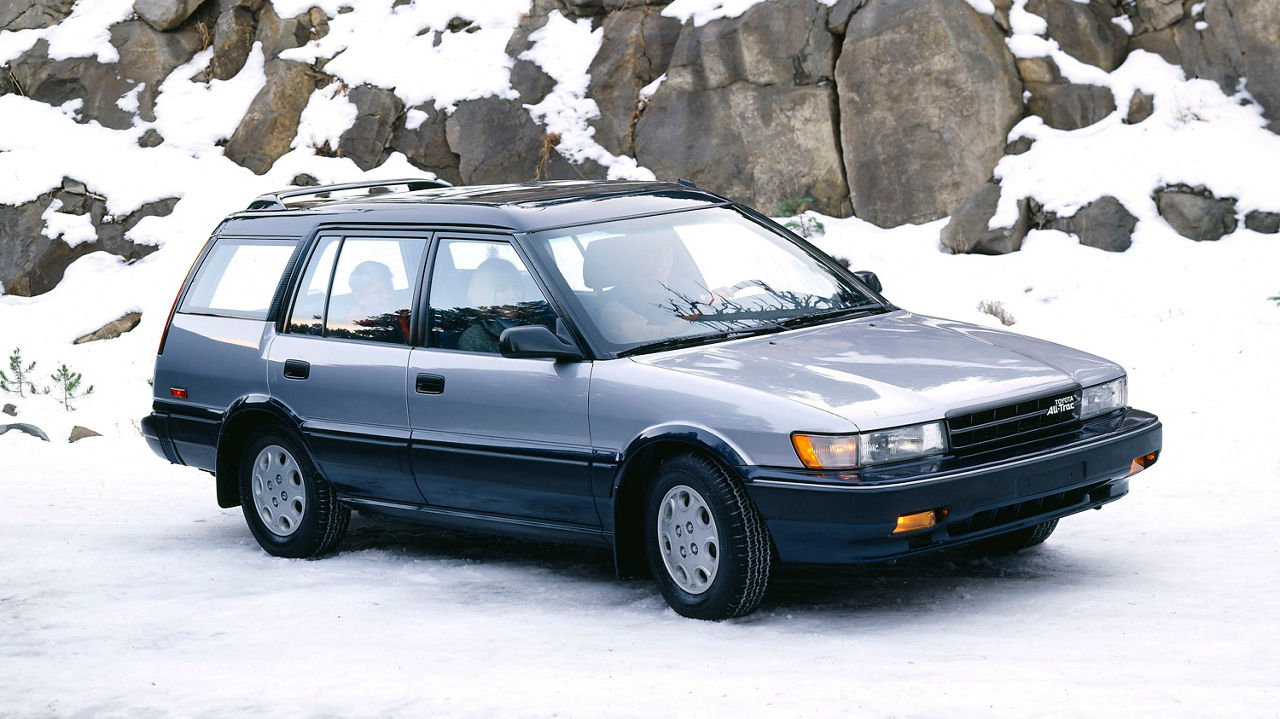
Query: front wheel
x,y
707,544
291,510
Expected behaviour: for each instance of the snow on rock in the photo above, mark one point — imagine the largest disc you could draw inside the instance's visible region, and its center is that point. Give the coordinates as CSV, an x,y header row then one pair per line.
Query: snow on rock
x,y
328,114
86,32
71,229
701,12
194,116
369,45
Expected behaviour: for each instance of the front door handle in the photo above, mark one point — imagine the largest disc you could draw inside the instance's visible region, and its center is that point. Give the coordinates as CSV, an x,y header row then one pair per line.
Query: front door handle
x,y
297,369
429,384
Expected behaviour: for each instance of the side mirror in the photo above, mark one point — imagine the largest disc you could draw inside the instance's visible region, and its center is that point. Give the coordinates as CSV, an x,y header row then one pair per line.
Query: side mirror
x,y
869,279
536,342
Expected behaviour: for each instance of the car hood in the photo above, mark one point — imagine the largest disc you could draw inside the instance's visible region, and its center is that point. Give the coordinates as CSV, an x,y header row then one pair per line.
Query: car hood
x,y
892,369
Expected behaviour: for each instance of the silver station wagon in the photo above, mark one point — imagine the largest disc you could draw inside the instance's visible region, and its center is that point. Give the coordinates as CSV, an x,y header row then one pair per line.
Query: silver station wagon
x,y
646,366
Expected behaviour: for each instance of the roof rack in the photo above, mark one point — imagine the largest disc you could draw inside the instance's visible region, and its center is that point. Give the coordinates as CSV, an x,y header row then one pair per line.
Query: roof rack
x,y
275,200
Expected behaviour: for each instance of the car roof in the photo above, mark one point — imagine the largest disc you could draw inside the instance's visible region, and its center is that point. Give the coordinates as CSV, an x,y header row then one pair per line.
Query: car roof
x,y
519,207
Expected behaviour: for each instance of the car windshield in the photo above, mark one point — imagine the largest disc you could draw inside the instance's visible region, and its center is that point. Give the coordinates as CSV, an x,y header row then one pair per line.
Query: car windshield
x,y
692,277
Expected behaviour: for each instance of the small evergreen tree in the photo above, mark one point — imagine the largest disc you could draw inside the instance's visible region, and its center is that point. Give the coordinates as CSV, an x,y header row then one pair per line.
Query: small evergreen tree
x,y
20,382
69,383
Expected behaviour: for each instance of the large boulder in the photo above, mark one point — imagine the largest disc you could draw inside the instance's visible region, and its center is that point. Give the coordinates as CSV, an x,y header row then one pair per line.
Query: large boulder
x,y
636,49
165,14
427,144
268,128
33,14
1239,40
233,38
1195,213
1152,15
148,57
1085,31
1069,107
497,141
97,87
378,113
1103,223
279,34
967,231
32,263
928,94
747,109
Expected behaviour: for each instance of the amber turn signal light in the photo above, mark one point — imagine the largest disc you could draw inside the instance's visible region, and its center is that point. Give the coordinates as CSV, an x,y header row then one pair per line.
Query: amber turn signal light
x,y
913,522
1141,463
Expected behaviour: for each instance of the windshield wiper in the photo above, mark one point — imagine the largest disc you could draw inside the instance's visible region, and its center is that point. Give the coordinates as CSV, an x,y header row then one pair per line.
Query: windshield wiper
x,y
843,312
672,343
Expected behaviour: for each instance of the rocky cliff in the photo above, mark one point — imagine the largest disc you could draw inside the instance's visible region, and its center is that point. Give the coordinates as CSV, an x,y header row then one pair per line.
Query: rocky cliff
x,y
896,111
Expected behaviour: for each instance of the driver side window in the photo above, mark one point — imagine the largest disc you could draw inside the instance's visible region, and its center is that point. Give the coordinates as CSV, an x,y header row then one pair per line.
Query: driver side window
x,y
478,289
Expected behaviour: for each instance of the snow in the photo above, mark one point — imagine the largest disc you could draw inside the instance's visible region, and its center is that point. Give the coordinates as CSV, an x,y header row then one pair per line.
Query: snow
x,y
193,116
71,229
563,49
327,115
986,7
370,45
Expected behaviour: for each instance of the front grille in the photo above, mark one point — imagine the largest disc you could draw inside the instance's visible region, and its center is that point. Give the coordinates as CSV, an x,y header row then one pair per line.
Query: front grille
x,y
1016,423
1024,510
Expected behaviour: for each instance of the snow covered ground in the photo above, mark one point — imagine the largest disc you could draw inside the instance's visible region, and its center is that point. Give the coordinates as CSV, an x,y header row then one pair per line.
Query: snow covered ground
x,y
125,591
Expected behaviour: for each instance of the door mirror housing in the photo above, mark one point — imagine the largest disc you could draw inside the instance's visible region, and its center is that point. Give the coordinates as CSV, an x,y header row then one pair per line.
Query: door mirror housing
x,y
869,279
536,342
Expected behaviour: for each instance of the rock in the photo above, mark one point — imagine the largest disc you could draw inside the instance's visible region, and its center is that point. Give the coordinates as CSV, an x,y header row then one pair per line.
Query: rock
x,y
1018,146
967,231
31,264
148,57
150,138
56,82
378,113
530,82
1160,42
838,17
1069,107
1085,31
1141,105
1103,223
1195,213
928,92
1038,70
74,186
278,35
496,141
304,180
636,50
1265,222
427,146
10,410
112,329
747,109
30,429
1240,41
165,15
233,39
33,15
268,128
78,433
1151,15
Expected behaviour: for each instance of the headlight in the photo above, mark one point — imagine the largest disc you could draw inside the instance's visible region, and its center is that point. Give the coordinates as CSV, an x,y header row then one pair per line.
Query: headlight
x,y
1103,398
847,451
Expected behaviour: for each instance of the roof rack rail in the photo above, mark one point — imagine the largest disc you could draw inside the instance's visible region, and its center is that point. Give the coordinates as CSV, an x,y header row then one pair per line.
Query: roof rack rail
x,y
275,200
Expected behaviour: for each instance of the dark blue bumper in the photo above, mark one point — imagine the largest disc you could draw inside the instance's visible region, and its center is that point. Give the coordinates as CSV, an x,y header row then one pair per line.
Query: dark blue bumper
x,y
833,518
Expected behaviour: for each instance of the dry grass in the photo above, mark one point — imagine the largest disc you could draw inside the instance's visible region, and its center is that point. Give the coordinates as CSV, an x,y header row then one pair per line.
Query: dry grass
x,y
996,310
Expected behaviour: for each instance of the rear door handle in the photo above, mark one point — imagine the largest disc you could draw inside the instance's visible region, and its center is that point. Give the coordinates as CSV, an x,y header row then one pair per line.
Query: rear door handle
x,y
297,369
429,384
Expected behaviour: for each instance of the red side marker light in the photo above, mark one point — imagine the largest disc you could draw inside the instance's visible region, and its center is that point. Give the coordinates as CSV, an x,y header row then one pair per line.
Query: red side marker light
x,y
178,392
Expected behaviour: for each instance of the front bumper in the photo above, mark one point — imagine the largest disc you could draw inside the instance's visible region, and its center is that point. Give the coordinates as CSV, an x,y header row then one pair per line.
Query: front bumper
x,y
825,518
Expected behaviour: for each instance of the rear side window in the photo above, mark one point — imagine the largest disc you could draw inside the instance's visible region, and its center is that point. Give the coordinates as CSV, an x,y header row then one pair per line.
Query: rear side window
x,y
238,278
359,288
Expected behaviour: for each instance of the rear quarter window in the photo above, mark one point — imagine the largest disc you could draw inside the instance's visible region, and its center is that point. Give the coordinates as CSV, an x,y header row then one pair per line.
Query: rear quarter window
x,y
238,278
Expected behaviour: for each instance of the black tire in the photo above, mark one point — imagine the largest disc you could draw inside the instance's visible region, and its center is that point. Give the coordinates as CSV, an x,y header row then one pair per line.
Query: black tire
x,y
1014,541
323,519
744,553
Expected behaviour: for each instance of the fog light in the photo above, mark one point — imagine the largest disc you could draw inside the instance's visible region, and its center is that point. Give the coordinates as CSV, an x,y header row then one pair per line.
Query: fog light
x,y
917,521
1141,463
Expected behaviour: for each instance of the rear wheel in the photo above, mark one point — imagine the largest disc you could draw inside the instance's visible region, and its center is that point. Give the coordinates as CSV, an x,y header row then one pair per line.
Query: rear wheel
x,y
707,545
291,510
1014,541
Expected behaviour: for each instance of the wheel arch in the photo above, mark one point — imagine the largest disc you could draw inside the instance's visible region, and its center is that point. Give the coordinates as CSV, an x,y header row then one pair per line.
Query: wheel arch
x,y
245,416
637,464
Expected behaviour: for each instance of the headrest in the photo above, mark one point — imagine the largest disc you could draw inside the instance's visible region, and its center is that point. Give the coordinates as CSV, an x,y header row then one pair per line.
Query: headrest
x,y
610,259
